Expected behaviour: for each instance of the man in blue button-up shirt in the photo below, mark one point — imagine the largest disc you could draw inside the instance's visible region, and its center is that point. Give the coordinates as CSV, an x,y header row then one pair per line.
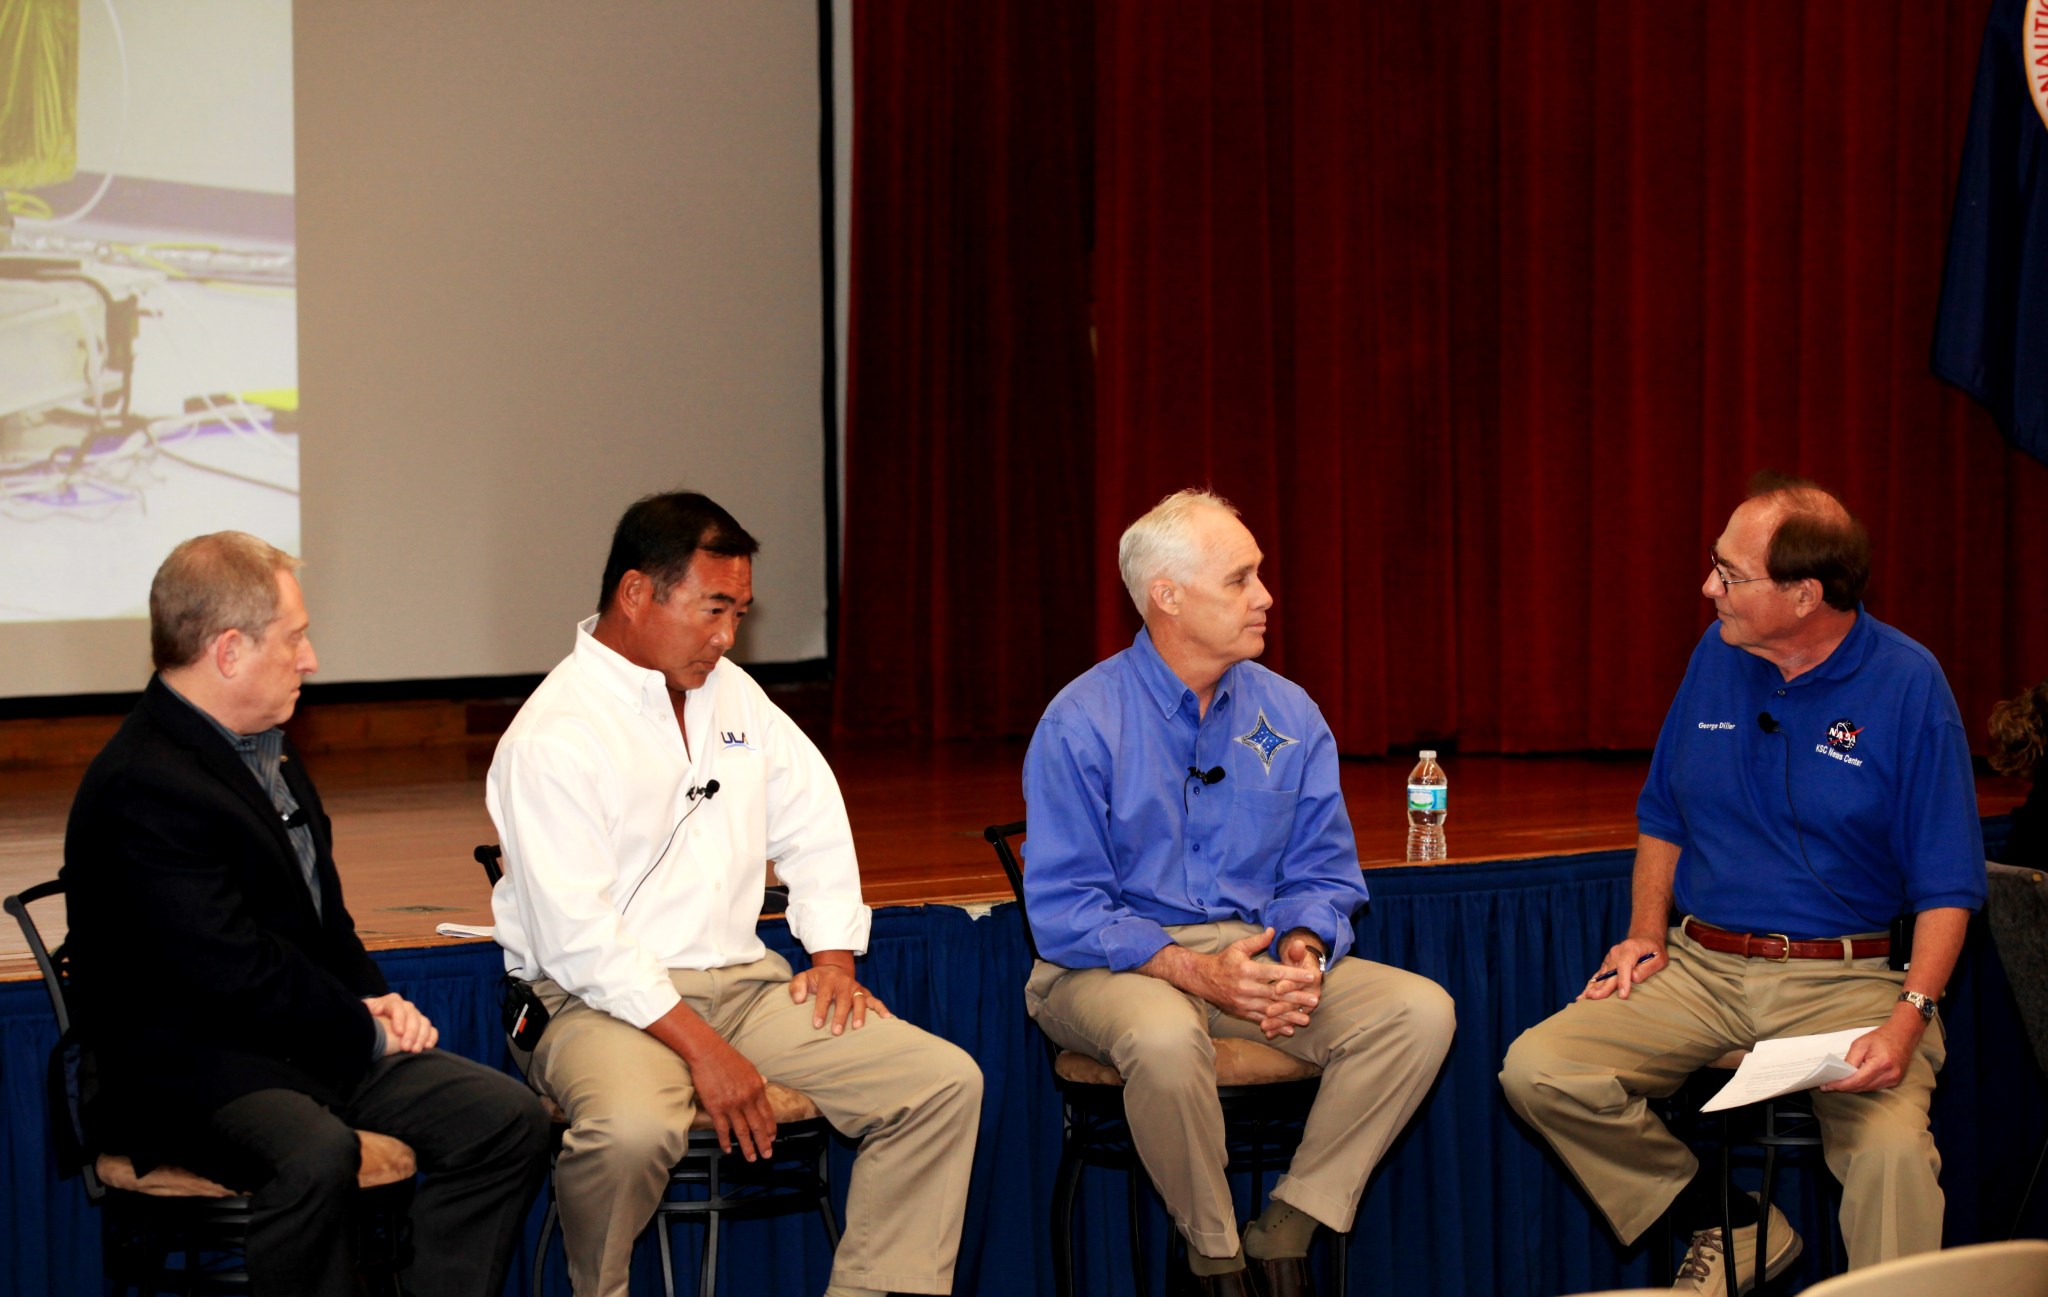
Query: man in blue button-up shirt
x,y
1183,810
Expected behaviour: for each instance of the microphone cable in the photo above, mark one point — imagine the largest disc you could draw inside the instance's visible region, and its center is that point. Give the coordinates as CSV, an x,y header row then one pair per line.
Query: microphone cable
x,y
1769,725
697,797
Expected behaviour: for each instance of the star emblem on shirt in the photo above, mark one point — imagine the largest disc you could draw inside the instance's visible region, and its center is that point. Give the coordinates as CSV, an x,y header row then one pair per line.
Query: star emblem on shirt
x,y
1265,740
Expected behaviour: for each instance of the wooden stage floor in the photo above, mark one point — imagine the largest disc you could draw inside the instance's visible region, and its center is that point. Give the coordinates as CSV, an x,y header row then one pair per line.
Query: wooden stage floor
x,y
406,820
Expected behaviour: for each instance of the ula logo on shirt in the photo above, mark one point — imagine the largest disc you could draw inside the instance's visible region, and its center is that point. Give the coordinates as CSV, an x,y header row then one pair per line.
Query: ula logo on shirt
x,y
736,739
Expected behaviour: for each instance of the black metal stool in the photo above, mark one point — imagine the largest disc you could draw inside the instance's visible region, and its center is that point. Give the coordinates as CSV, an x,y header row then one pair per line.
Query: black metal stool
x,y
170,1229
1265,1094
709,1184
1775,1126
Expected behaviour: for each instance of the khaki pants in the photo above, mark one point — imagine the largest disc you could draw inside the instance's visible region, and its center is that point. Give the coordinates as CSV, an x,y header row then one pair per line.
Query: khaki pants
x,y
913,1100
1583,1078
1379,1034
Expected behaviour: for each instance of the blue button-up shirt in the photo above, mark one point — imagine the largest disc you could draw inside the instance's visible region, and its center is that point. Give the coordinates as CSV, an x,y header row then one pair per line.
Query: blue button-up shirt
x,y
1121,841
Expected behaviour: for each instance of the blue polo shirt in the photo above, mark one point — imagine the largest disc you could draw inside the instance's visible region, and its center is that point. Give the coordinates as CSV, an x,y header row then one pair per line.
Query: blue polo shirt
x,y
1881,788
1121,842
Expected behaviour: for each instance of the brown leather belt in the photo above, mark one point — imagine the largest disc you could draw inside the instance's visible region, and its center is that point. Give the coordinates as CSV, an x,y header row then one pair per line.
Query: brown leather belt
x,y
1752,945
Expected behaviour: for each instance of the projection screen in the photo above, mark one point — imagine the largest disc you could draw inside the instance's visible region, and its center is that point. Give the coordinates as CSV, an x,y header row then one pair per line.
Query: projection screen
x,y
545,256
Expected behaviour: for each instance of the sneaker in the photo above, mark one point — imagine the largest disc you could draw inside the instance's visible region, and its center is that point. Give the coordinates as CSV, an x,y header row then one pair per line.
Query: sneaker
x,y
1702,1270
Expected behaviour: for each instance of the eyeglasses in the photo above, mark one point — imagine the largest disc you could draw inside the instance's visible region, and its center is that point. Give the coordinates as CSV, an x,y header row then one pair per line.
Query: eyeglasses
x,y
1719,571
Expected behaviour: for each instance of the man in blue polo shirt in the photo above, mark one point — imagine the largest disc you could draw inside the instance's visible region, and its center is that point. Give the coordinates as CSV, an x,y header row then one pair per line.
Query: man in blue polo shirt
x,y
1812,783
1183,809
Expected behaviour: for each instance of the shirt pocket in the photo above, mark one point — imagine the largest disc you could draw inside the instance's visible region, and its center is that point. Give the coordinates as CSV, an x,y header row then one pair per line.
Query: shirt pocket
x,y
1262,821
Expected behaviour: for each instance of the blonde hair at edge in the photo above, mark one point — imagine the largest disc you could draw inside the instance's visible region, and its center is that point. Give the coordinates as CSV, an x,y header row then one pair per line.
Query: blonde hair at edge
x,y
209,584
1162,542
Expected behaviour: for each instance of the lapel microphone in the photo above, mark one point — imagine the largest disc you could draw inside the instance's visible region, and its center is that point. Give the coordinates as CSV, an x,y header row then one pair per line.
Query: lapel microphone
x,y
1213,775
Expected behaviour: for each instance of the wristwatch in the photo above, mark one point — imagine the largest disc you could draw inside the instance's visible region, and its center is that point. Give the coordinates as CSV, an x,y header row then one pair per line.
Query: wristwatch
x,y
1322,957
1924,1003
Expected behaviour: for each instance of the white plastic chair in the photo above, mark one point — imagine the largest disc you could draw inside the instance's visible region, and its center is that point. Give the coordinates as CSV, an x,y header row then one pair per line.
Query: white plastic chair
x,y
2014,1269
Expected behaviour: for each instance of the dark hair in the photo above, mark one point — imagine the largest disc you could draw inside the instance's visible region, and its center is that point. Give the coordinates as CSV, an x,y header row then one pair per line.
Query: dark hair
x,y
1816,539
660,534
2019,732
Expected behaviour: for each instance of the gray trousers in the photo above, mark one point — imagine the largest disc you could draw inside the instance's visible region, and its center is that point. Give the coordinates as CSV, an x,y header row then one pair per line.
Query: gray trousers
x,y
1378,1033
1584,1077
912,1099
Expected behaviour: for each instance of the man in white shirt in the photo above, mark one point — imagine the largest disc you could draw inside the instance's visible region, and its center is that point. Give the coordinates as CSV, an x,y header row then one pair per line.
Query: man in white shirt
x,y
637,795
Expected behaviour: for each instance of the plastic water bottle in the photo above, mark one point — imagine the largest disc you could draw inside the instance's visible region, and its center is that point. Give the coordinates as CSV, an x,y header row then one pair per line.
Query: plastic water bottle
x,y
1429,791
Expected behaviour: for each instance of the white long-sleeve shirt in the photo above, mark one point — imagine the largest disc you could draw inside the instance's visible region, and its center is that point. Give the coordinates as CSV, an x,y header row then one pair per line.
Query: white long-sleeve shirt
x,y
618,867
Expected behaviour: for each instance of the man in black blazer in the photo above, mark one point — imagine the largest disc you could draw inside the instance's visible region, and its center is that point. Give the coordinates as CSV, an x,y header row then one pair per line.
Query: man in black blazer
x,y
240,1027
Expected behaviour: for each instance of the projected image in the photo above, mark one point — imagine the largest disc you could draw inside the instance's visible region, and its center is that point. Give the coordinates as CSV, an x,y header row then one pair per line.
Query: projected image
x,y
148,293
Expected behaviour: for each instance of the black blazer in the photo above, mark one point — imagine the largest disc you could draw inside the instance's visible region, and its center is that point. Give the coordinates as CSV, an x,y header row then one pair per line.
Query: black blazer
x,y
201,971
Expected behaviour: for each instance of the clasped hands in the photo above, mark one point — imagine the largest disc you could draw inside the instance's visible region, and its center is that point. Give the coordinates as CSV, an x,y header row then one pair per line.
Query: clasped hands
x,y
1278,995
405,1028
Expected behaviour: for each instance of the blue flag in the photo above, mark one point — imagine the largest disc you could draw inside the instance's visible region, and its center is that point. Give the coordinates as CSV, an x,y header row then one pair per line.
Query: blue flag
x,y
1991,330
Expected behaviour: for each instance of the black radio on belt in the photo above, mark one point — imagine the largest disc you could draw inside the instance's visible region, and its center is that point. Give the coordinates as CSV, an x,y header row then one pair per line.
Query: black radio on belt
x,y
520,1009
1901,957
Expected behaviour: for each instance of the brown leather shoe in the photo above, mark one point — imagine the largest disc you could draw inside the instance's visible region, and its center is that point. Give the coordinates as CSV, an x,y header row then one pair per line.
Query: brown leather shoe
x,y
1235,1283
1282,1276
1186,1283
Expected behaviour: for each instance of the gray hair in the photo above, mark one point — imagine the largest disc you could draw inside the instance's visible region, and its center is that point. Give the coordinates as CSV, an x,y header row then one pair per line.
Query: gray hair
x,y
1162,542
209,584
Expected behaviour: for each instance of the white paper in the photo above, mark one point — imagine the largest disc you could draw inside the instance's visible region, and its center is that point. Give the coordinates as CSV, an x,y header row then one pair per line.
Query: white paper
x,y
465,930
1789,1063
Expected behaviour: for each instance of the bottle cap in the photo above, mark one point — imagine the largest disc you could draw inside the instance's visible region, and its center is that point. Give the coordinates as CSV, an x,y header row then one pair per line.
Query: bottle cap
x,y
1427,754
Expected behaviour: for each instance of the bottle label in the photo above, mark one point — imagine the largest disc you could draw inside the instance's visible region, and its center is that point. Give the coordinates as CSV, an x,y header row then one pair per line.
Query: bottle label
x,y
1428,797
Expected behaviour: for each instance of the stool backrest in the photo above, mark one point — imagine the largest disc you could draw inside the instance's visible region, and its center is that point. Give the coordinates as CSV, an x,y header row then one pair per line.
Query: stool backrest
x,y
55,976
488,855
998,836
71,1072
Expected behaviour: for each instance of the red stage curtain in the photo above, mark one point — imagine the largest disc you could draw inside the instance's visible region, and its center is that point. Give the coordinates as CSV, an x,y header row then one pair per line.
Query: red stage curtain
x,y
970,426
1484,312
